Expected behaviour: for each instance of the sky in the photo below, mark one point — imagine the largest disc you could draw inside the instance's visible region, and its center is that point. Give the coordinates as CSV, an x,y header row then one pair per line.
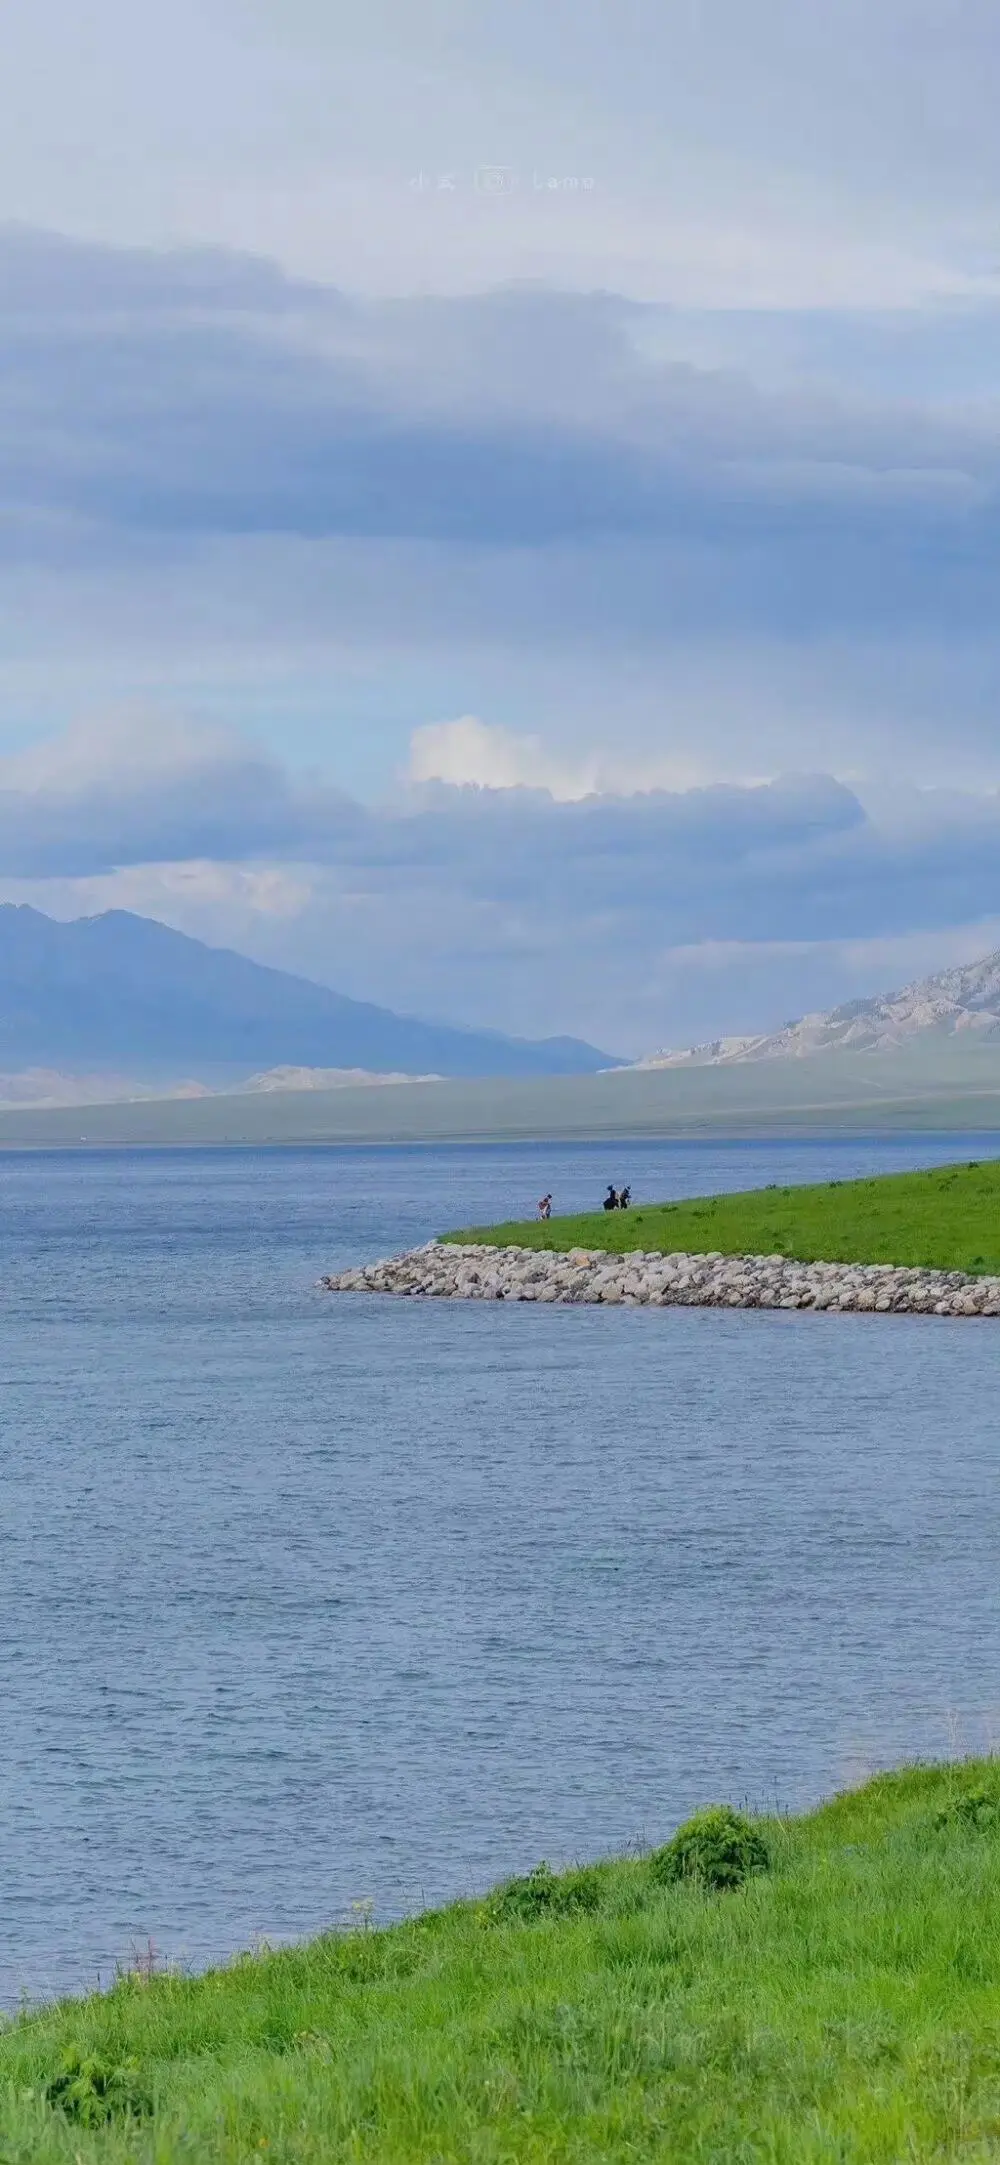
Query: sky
x,y
500,504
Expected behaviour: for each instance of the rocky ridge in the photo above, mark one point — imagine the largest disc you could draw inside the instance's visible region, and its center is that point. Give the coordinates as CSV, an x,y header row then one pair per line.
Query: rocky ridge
x,y
450,1271
962,1003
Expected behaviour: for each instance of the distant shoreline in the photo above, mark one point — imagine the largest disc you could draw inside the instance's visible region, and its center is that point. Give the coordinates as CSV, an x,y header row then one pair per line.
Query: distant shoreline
x,y
780,1131
840,1093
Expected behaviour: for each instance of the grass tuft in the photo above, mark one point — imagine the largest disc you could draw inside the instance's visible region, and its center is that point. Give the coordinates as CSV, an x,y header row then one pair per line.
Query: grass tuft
x,y
544,1893
718,1848
90,2090
976,1808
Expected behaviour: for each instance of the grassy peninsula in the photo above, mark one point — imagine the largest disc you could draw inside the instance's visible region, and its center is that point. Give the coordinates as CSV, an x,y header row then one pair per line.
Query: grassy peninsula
x,y
946,1219
838,2003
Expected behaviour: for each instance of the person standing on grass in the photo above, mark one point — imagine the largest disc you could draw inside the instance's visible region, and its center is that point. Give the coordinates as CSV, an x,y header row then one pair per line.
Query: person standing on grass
x,y
545,1207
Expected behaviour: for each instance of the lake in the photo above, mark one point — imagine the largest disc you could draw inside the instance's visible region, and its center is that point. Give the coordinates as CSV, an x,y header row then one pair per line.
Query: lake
x,y
312,1602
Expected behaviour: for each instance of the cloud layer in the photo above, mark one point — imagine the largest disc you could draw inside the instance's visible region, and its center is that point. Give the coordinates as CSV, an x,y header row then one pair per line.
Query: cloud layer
x,y
200,397
664,912
725,545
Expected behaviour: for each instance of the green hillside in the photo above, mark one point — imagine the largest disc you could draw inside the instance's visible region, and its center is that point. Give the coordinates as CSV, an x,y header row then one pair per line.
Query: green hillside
x,y
838,2003
946,1219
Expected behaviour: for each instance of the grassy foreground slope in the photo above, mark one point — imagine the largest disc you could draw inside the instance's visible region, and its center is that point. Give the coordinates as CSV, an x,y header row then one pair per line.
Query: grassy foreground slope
x,y
947,1219
843,2004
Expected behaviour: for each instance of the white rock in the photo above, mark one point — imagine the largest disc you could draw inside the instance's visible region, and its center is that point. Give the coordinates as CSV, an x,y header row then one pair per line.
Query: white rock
x,y
454,1272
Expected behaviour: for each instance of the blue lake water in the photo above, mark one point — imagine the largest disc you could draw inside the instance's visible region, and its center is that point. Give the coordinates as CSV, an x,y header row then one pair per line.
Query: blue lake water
x,y
306,1602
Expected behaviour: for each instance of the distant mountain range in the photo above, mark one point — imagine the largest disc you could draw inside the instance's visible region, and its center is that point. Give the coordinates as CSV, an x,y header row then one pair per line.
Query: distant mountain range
x,y
102,1003
957,1003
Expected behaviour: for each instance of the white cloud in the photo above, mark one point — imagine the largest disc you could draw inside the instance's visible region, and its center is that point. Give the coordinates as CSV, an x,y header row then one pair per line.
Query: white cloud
x,y
240,906
469,753
119,750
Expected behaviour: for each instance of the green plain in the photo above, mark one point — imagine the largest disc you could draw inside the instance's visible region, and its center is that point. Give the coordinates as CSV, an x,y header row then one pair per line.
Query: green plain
x,y
840,2008
943,1085
946,1219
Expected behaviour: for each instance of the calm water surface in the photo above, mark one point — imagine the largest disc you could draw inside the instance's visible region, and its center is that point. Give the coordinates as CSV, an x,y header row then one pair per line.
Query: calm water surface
x,y
305,1602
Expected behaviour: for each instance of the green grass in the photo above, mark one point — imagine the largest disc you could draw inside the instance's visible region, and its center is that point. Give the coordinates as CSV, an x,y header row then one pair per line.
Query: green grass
x,y
948,1219
843,2005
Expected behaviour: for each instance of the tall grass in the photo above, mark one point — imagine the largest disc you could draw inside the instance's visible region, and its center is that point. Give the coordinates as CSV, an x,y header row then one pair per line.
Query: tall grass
x,y
841,2004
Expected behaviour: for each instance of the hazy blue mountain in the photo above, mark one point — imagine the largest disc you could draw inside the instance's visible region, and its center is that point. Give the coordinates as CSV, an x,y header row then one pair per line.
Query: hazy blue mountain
x,y
124,992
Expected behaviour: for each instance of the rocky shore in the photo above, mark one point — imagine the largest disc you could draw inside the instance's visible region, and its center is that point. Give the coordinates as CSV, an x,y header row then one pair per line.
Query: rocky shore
x,y
445,1270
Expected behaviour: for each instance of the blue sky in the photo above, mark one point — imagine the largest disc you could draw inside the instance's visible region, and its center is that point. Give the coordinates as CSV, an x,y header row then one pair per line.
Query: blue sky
x,y
500,506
